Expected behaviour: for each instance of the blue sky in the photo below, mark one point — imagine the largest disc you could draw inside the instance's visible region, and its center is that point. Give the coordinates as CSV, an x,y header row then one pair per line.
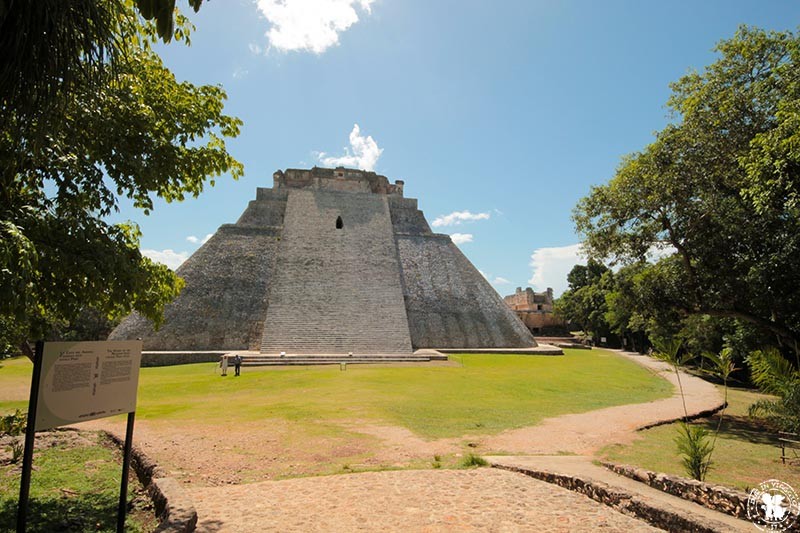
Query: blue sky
x,y
504,113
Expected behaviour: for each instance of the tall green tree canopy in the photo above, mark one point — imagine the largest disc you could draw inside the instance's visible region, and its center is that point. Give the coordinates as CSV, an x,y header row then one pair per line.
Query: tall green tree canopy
x,y
46,46
123,126
584,303
720,186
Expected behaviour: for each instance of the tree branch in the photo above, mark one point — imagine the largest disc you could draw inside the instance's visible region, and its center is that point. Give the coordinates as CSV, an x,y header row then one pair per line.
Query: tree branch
x,y
778,329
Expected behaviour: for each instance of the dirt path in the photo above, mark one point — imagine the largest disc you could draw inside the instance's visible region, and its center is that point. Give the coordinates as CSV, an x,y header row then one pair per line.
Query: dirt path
x,y
585,433
581,434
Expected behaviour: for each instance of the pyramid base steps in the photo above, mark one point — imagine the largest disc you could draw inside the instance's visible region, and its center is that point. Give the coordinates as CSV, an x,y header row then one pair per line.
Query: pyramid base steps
x,y
335,359
541,349
254,358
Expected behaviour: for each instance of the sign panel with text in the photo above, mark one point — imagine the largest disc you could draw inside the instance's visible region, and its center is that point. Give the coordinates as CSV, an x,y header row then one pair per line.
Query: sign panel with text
x,y
86,380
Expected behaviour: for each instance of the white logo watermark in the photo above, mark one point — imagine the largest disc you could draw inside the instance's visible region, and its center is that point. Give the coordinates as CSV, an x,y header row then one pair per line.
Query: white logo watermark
x,y
773,506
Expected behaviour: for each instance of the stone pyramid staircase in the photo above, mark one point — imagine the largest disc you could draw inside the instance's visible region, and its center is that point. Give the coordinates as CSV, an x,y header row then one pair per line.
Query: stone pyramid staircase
x,y
338,289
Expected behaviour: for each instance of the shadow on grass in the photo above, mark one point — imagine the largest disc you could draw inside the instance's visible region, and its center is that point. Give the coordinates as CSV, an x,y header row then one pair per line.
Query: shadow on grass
x,y
85,513
741,428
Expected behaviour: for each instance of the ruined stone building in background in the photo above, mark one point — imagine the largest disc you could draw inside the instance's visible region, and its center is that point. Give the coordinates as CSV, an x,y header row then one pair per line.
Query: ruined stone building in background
x,y
535,309
331,261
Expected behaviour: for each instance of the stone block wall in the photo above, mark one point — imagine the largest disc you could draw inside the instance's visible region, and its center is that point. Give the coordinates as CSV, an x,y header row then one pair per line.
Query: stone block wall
x,y
224,302
337,290
285,278
336,179
716,497
406,218
267,210
449,303
160,358
537,320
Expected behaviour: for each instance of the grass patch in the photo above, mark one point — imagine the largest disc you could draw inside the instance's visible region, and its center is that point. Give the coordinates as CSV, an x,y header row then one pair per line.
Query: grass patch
x,y
745,453
471,460
74,487
486,394
15,384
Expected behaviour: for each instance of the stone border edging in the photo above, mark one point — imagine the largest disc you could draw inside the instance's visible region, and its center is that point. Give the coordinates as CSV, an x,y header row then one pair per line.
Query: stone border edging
x,y
717,497
629,504
173,506
694,416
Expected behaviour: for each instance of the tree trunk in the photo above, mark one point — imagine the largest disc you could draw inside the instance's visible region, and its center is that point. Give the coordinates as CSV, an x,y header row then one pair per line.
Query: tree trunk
x,y
25,348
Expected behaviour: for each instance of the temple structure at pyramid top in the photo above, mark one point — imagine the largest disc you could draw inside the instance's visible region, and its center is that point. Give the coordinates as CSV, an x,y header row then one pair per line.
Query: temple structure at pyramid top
x,y
331,261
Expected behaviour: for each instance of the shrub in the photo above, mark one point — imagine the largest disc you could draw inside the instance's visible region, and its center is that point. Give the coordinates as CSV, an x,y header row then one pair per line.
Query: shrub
x,y
14,425
774,374
471,460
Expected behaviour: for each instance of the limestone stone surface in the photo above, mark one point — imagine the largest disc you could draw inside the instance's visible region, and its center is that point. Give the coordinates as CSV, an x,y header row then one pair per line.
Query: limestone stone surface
x,y
331,261
337,289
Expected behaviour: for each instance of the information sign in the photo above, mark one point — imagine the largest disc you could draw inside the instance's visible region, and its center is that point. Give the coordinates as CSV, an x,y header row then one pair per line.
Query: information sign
x,y
87,380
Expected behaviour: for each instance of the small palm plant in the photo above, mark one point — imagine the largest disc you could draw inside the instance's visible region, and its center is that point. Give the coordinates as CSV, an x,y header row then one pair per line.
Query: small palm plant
x,y
669,351
695,450
693,442
722,366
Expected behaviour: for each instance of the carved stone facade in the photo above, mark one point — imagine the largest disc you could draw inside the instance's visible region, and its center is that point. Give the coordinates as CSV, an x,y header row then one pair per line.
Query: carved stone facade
x,y
331,261
535,309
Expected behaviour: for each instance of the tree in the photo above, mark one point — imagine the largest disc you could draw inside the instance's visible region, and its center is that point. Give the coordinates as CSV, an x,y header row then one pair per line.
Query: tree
x,y
626,315
123,126
719,186
584,302
162,11
47,46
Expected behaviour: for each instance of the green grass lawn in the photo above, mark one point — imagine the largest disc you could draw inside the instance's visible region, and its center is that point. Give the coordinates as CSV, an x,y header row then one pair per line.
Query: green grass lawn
x,y
483,394
745,453
73,488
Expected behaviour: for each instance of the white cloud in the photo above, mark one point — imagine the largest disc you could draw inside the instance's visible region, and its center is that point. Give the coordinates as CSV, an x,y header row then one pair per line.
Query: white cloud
x,y
309,25
460,238
255,49
171,258
497,279
660,251
194,240
551,266
363,153
457,217
239,73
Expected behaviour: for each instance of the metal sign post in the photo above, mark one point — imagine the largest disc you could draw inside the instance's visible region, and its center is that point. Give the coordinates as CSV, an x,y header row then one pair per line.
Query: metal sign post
x,y
126,465
30,433
78,381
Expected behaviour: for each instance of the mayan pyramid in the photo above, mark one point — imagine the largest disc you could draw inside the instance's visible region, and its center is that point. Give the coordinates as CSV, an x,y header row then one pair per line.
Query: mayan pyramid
x,y
331,261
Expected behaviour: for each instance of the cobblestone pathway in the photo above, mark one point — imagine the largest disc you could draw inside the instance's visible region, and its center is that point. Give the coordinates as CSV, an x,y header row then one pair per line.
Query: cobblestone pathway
x,y
484,499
